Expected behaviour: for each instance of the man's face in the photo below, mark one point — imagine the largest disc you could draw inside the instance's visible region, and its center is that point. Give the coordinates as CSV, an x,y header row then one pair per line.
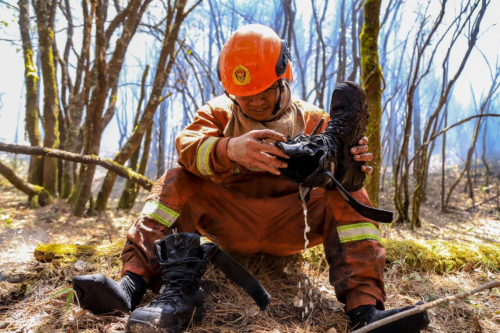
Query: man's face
x,y
260,106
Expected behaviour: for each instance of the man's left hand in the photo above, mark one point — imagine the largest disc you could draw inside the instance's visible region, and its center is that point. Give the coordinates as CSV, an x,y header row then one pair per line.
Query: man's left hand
x,y
361,154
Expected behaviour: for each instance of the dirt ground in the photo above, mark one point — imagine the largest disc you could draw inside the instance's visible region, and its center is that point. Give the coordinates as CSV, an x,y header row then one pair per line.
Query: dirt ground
x,y
26,285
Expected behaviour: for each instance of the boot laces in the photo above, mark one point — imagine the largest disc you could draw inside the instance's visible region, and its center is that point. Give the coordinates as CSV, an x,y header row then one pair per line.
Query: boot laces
x,y
330,137
175,289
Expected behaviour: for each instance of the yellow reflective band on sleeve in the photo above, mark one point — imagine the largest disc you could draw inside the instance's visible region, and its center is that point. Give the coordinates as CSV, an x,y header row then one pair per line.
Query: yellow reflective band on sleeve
x,y
160,213
202,160
358,231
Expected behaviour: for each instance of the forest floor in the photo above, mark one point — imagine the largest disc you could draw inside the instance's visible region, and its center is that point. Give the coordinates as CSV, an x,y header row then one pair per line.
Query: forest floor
x,y
27,287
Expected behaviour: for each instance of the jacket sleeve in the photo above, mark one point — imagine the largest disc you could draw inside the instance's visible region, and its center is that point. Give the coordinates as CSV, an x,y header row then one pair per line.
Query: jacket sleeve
x,y
312,116
202,147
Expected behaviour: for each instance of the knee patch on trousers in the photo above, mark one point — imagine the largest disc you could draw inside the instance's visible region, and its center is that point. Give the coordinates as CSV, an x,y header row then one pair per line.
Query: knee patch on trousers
x,y
358,231
160,213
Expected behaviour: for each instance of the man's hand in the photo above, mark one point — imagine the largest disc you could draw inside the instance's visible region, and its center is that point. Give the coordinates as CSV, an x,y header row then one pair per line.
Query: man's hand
x,y
251,151
361,154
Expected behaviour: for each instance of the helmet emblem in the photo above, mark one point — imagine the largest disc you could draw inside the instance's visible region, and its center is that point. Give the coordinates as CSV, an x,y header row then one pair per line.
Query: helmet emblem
x,y
241,75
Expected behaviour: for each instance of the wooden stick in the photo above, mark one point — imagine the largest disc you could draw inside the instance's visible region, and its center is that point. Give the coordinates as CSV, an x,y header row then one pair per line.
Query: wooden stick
x,y
422,308
112,166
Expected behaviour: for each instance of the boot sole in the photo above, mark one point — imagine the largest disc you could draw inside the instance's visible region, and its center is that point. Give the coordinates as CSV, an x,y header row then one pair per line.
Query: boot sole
x,y
141,326
137,326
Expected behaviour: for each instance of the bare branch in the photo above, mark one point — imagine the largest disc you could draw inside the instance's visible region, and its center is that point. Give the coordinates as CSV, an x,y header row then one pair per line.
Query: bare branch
x,y
27,188
422,308
8,5
85,159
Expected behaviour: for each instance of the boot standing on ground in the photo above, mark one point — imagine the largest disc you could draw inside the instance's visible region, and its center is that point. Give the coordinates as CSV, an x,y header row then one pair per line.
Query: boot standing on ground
x,y
229,185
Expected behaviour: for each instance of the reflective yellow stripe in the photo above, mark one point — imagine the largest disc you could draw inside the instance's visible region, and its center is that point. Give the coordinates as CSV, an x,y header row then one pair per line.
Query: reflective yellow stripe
x,y
160,213
203,158
358,231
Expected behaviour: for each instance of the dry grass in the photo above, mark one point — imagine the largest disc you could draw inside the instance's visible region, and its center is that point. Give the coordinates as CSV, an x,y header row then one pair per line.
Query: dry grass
x,y
26,304
229,309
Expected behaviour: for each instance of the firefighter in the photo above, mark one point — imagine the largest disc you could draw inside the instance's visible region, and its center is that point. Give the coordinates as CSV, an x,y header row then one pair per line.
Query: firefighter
x,y
228,185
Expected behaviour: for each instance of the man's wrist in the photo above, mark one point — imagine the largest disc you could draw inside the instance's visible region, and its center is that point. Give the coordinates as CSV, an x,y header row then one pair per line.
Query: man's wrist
x,y
230,152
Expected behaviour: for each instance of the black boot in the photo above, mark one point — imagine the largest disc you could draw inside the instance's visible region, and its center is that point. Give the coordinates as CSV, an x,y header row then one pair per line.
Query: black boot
x,y
367,314
99,295
183,261
311,157
349,117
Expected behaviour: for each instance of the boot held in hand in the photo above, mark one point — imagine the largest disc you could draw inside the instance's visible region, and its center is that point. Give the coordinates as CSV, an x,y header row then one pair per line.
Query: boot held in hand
x,y
329,151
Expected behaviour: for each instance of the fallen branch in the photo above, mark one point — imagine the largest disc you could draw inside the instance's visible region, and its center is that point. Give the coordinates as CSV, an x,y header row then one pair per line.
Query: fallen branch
x,y
25,187
106,163
422,308
481,203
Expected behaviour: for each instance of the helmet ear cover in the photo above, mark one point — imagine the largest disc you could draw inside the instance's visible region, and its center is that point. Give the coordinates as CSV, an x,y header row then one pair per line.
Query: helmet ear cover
x,y
284,58
218,68
280,68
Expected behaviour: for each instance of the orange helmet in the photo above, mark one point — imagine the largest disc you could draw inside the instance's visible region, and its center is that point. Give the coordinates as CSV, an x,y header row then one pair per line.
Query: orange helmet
x,y
252,59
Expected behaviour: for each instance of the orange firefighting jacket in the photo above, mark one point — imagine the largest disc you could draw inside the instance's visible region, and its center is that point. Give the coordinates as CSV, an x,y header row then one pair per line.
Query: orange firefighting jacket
x,y
202,147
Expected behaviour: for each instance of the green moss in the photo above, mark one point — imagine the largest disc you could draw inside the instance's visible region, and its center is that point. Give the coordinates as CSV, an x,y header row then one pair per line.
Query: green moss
x,y
427,255
34,202
438,256
69,253
442,256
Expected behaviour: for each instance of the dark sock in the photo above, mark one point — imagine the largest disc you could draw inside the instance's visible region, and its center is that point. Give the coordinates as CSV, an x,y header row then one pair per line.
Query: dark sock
x,y
99,295
367,314
135,287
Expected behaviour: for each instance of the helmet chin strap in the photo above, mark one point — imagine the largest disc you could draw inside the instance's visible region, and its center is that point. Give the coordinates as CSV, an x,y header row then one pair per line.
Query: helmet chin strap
x,y
277,106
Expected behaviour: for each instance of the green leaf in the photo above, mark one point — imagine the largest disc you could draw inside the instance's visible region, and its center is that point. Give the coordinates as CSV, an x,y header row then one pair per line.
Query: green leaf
x,y
470,229
60,292
70,298
8,222
444,304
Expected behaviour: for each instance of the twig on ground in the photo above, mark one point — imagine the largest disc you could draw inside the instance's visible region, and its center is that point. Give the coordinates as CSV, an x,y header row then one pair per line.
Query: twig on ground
x,y
483,202
422,308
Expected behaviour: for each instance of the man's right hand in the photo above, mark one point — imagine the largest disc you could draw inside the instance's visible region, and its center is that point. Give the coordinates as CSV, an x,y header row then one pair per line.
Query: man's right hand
x,y
253,152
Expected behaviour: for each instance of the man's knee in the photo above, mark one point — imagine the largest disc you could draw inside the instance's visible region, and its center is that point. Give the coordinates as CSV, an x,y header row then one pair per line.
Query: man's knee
x,y
175,183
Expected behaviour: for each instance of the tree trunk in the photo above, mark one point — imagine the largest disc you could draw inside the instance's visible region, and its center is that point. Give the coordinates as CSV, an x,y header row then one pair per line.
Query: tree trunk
x,y
126,200
356,22
131,189
443,162
371,78
342,52
416,132
162,138
31,81
93,120
164,68
483,158
474,27
45,13
107,77
75,108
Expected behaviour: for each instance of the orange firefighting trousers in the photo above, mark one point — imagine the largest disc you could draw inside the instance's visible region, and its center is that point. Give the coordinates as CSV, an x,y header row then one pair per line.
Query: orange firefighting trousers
x,y
261,213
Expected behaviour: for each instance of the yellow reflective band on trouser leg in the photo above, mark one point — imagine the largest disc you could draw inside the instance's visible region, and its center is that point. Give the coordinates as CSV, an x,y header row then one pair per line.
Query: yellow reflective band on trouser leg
x,y
160,213
202,160
358,231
